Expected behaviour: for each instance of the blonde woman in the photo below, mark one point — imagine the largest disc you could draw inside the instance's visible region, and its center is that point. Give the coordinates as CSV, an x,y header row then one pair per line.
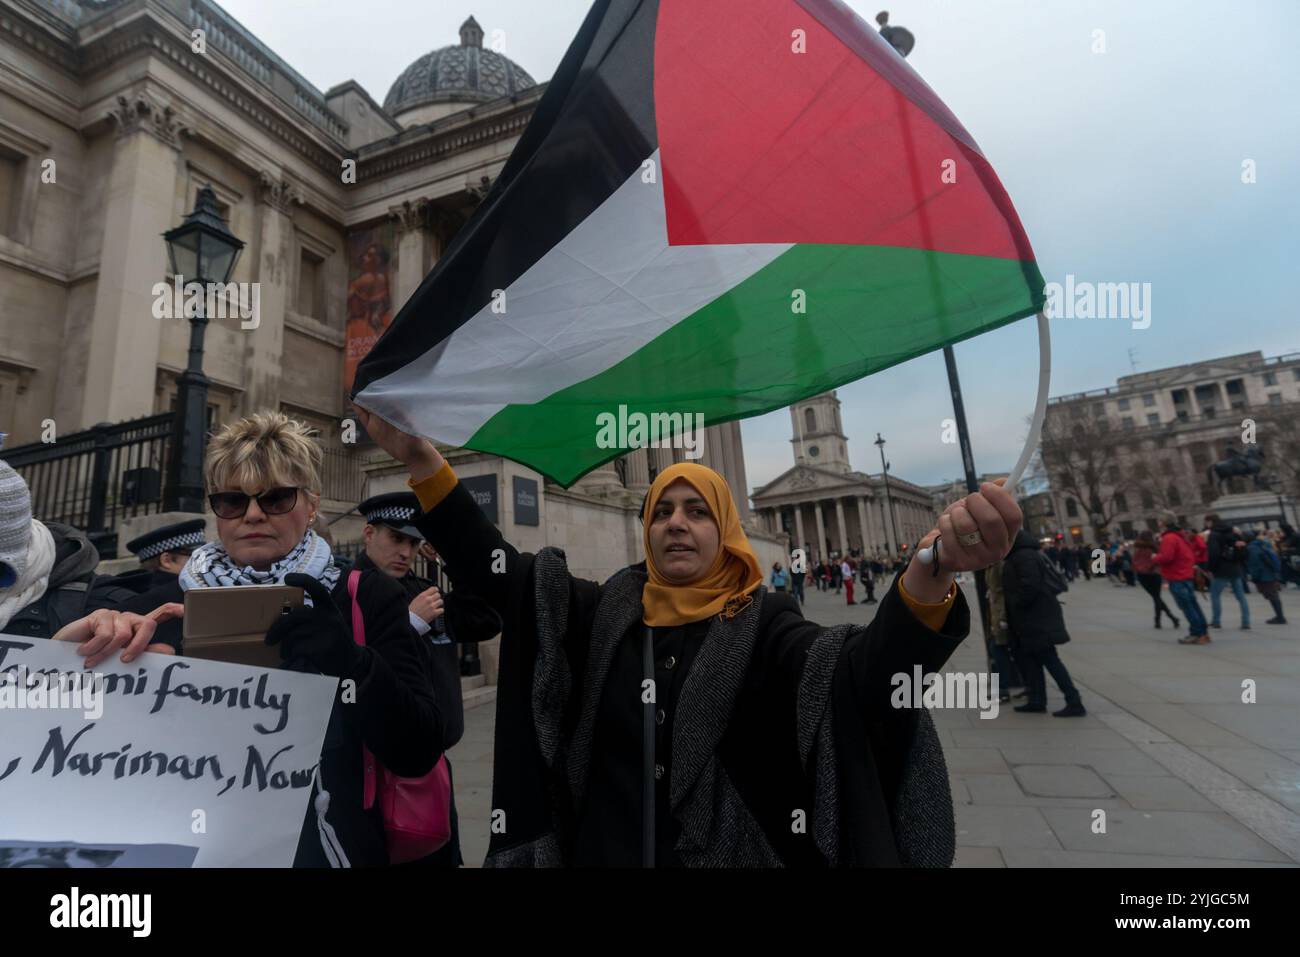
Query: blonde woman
x,y
263,479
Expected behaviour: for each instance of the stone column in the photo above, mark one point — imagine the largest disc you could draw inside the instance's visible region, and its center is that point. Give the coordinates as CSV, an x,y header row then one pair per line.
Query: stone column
x,y
889,526
734,459
820,550
121,361
602,479
868,542
662,458
638,471
843,528
276,257
416,248
798,527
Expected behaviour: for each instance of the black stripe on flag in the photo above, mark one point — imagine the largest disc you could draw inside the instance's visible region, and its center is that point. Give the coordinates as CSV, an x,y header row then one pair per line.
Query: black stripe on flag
x,y
592,129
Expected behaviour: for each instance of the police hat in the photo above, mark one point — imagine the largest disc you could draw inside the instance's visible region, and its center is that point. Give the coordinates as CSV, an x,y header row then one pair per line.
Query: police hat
x,y
397,510
183,536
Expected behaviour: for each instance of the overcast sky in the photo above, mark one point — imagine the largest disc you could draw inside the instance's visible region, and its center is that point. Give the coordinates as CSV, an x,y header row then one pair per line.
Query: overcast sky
x,y
1125,166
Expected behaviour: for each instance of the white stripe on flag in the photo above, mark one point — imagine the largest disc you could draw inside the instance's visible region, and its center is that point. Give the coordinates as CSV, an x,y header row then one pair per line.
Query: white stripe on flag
x,y
606,290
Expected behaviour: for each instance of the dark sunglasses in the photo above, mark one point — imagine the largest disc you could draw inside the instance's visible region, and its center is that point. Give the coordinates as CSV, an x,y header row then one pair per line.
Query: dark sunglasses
x,y
274,501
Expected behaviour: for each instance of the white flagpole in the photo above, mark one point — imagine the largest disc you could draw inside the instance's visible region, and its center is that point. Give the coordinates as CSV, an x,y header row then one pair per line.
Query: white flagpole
x,y
926,555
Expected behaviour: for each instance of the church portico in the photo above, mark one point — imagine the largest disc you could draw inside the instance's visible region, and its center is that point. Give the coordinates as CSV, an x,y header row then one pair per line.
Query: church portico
x,y
830,510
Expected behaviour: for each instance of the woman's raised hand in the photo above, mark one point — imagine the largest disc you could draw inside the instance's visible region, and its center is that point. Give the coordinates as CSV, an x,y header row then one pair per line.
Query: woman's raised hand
x,y
102,632
979,529
417,453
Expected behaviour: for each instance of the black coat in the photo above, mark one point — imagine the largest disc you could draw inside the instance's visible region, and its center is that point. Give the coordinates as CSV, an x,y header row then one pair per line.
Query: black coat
x,y
569,718
1034,615
395,715
466,619
73,590
138,580
1222,539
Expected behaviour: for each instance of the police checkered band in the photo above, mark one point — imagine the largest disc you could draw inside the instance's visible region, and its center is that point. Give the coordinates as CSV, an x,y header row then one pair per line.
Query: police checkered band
x,y
190,540
393,513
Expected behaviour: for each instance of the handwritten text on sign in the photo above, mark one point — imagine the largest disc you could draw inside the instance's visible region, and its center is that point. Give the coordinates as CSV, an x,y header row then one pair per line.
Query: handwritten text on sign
x,y
187,752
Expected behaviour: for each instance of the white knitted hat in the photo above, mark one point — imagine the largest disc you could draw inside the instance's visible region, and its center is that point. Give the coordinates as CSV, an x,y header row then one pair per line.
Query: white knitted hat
x,y
15,524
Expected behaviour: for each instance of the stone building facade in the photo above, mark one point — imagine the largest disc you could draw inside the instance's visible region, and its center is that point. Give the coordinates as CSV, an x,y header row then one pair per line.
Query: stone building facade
x,y
826,507
1160,431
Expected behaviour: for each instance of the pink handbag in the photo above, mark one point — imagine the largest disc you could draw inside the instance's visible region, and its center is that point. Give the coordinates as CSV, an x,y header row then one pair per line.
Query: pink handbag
x,y
416,811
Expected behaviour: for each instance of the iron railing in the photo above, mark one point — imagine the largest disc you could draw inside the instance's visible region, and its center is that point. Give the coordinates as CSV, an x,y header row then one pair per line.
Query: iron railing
x,y
341,476
95,479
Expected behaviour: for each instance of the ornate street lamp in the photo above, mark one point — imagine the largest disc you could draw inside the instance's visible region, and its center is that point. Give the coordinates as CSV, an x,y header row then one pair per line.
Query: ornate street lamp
x,y
889,501
202,250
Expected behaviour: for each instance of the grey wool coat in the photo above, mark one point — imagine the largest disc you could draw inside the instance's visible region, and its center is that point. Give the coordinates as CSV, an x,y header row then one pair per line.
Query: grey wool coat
x,y
777,719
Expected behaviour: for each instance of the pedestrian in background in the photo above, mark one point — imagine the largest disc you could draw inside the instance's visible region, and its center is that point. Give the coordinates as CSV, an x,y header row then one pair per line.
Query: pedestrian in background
x,y
1148,575
1070,557
869,581
1265,567
1200,559
1037,626
796,583
778,578
1009,680
1286,540
1178,567
1226,554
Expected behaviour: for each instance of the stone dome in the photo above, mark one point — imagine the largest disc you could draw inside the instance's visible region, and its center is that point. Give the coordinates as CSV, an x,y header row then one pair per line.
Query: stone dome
x,y
455,77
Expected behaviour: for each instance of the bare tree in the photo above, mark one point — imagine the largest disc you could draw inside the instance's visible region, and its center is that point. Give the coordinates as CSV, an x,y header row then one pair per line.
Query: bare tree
x,y
1082,457
1278,434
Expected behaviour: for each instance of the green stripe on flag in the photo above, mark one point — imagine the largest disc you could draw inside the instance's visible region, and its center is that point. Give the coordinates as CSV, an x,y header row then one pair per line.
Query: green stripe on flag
x,y
747,352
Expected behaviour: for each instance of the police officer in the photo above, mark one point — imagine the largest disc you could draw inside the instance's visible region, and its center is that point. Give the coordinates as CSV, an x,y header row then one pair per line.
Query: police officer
x,y
391,545
162,553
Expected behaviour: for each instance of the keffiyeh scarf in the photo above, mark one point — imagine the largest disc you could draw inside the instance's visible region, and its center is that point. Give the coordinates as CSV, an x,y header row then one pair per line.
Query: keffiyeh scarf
x,y
211,566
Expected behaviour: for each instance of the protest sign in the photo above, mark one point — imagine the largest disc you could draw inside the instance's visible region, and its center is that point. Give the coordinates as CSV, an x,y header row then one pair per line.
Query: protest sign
x,y
163,752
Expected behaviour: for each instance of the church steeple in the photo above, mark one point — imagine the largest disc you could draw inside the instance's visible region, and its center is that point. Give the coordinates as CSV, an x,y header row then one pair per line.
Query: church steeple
x,y
818,437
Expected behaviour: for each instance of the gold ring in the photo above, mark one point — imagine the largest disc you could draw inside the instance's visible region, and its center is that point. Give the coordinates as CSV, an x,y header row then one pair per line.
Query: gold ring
x,y
974,538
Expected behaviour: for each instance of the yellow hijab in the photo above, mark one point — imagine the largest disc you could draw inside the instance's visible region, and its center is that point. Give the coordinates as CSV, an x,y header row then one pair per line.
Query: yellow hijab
x,y
729,581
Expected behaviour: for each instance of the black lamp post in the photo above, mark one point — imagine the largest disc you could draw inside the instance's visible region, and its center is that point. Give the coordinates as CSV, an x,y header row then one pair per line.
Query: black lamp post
x,y
201,250
889,501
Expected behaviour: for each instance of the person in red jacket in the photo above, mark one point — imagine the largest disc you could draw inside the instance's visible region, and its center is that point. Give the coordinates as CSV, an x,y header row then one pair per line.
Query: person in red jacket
x,y
1177,562
1201,558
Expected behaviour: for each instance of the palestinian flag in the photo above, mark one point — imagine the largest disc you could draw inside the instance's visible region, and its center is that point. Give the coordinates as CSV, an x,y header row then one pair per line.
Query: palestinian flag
x,y
718,208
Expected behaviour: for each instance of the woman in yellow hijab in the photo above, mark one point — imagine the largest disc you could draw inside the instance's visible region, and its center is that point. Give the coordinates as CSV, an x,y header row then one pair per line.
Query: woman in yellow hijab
x,y
697,556
680,714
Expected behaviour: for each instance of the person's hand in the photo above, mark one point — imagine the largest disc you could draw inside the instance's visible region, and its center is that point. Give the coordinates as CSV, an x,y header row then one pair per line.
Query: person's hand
x,y
317,634
428,551
418,454
428,605
103,632
993,513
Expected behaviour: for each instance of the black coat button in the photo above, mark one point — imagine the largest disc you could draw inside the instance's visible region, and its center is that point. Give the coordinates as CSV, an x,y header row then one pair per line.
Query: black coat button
x,y
659,771
670,662
659,716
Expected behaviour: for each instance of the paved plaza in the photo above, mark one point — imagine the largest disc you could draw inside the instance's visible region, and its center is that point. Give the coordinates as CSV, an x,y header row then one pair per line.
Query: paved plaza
x,y
1187,774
